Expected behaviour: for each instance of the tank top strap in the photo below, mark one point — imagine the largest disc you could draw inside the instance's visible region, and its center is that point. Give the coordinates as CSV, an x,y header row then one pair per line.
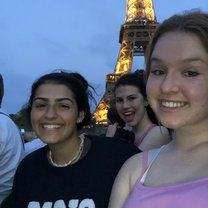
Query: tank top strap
x,y
154,156
139,140
144,162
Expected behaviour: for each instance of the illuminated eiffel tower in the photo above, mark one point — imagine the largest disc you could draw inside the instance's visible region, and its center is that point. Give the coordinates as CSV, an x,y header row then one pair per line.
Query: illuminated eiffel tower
x,y
135,33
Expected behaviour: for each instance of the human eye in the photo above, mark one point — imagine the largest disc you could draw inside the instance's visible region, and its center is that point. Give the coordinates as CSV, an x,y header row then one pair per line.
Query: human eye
x,y
39,105
118,100
190,73
132,98
157,71
64,106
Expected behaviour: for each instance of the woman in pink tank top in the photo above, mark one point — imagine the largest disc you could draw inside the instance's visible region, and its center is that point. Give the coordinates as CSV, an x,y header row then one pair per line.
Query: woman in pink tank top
x,y
176,175
133,107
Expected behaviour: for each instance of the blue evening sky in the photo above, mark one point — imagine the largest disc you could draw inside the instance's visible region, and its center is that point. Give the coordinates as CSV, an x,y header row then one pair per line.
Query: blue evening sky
x,y
38,36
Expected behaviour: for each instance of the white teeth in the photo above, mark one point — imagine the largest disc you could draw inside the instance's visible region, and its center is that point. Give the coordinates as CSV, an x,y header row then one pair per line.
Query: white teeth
x,y
51,126
173,104
127,113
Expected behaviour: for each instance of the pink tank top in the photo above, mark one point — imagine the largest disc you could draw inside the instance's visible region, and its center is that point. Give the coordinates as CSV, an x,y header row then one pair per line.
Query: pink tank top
x,y
139,140
186,195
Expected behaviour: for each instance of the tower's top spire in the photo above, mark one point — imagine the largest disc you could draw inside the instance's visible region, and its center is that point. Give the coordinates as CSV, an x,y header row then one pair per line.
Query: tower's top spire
x,y
138,10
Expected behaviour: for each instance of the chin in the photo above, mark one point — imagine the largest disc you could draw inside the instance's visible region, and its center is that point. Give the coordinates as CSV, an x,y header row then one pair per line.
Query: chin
x,y
170,125
130,124
49,140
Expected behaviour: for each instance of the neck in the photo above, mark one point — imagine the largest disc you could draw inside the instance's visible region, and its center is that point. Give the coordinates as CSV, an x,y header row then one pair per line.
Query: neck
x,y
64,159
144,124
188,138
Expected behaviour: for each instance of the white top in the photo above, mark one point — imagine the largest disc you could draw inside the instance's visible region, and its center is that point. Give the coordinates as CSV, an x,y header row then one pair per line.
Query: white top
x,y
33,145
11,152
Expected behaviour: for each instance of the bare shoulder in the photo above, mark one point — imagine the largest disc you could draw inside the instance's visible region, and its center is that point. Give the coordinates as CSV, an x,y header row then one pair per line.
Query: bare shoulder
x,y
132,169
133,162
125,180
163,130
160,133
155,138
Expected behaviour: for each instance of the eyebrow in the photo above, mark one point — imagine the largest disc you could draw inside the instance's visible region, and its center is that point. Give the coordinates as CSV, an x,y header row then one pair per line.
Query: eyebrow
x,y
135,94
187,60
155,59
57,100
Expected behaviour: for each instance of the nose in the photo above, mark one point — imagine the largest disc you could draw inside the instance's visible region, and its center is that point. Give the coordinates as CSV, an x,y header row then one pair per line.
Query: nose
x,y
170,83
50,112
125,104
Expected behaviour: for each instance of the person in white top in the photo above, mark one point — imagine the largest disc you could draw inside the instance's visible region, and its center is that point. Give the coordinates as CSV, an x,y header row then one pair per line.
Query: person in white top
x,y
11,149
33,145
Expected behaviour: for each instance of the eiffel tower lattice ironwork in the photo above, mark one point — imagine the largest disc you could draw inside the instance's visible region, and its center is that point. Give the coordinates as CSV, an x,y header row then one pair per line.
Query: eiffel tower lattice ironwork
x,y
135,33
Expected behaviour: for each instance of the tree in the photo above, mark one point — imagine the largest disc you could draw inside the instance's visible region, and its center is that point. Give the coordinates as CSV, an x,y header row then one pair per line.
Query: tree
x,y
22,119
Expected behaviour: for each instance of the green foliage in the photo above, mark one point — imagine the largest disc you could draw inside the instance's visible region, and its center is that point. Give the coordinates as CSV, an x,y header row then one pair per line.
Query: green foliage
x,y
21,119
6,203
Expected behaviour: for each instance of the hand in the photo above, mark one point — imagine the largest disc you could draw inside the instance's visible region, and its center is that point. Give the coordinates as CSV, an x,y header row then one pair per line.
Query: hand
x,y
111,130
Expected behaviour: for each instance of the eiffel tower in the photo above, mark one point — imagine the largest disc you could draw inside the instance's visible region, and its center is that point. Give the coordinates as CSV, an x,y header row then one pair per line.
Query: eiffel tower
x,y
135,33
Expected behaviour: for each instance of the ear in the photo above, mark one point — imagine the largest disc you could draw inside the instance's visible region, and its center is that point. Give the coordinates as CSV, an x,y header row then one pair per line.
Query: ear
x,y
80,117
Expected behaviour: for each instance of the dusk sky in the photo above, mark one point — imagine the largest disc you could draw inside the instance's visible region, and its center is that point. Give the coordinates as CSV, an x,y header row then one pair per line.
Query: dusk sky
x,y
38,36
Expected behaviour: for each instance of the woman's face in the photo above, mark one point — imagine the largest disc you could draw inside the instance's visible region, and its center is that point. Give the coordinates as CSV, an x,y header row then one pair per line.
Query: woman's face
x,y
177,87
54,114
130,104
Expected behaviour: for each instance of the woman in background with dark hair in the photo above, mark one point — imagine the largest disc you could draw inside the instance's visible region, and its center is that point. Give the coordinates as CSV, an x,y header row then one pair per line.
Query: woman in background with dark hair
x,y
72,170
133,107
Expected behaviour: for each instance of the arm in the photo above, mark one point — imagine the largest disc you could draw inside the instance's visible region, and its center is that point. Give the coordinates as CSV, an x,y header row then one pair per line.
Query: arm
x,y
11,152
125,180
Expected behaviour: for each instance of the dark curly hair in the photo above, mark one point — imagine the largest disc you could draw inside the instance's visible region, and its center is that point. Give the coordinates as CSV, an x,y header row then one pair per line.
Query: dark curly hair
x,y
136,79
76,83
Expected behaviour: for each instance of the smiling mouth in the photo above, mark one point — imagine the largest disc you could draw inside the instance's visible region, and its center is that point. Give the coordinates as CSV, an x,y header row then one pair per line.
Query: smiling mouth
x,y
128,113
172,104
51,126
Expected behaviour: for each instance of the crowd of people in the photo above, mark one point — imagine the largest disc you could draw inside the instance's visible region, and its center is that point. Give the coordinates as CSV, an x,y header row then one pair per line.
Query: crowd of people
x,y
154,152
